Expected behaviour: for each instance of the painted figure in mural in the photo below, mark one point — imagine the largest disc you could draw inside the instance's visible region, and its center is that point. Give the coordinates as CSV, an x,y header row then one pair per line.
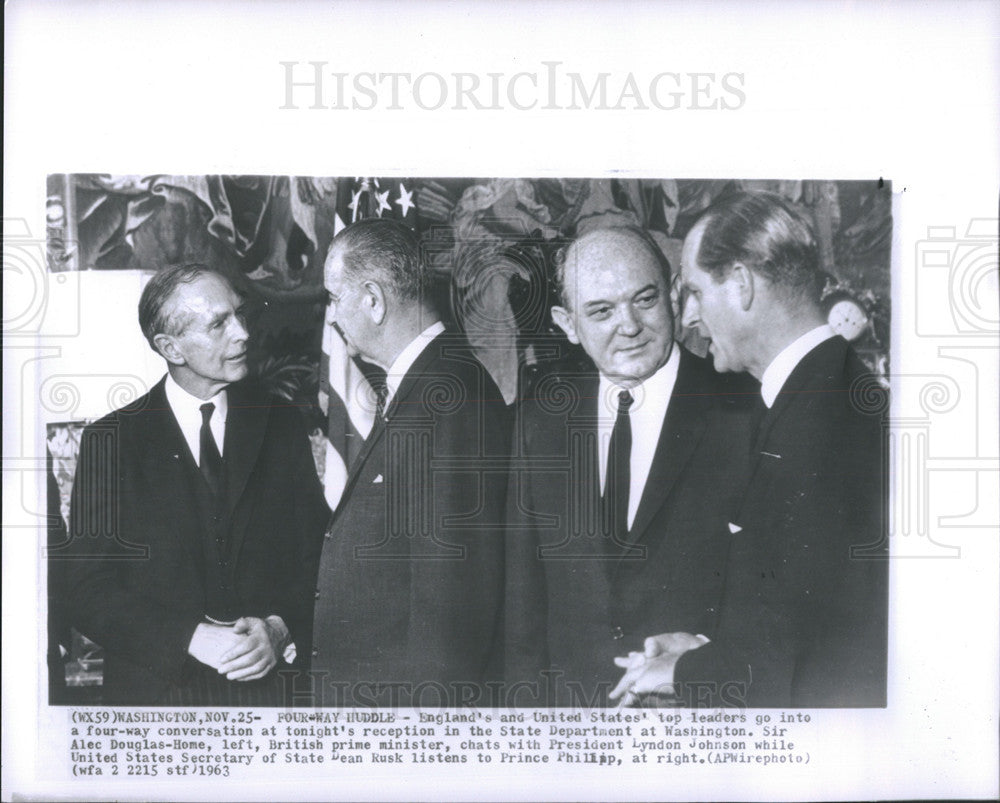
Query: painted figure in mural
x,y
410,588
196,518
612,535
802,621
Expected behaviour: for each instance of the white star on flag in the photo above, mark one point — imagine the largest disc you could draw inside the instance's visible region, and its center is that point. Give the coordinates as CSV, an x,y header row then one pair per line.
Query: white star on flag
x,y
405,201
383,202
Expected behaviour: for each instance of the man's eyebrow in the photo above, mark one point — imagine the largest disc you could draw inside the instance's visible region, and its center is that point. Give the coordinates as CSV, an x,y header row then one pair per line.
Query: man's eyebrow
x,y
598,302
646,289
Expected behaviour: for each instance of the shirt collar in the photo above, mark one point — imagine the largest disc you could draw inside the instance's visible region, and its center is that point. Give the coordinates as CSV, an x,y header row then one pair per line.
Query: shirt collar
x,y
187,407
407,357
652,394
781,367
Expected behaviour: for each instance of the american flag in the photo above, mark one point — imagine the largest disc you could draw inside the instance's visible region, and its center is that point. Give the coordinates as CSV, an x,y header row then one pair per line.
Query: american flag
x,y
346,394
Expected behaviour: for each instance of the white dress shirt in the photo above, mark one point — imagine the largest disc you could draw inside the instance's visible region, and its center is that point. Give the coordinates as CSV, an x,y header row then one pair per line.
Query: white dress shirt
x,y
187,410
407,357
646,419
781,367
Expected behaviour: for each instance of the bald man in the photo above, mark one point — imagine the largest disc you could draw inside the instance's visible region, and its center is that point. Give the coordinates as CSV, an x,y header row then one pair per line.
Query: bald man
x,y
617,499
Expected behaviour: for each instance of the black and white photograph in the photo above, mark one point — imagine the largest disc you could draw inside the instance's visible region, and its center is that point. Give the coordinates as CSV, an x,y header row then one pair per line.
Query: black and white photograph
x,y
600,399
441,364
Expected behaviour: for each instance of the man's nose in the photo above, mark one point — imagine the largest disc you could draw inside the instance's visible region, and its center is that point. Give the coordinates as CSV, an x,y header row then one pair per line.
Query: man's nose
x,y
629,323
239,330
689,311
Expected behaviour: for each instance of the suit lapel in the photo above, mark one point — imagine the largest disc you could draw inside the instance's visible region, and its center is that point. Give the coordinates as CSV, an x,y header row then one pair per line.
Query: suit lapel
x,y
401,397
811,372
585,477
168,461
376,435
401,403
682,429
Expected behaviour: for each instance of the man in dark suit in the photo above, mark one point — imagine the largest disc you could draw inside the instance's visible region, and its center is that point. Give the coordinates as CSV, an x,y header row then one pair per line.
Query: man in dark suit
x,y
409,596
197,517
616,506
803,614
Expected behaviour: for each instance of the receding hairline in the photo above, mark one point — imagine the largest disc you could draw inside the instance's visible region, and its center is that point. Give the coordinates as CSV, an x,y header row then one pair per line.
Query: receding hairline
x,y
596,239
339,252
161,289
336,250
177,318
599,241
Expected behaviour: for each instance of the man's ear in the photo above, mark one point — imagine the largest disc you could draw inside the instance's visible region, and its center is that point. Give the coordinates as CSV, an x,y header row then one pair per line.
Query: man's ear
x,y
167,346
374,301
564,320
744,279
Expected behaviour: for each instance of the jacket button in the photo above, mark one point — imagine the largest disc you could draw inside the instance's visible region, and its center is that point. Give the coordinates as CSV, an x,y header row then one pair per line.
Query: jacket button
x,y
617,633
315,652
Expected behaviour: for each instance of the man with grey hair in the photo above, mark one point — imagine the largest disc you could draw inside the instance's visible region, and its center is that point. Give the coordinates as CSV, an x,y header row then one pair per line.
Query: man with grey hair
x,y
619,482
196,517
802,621
409,596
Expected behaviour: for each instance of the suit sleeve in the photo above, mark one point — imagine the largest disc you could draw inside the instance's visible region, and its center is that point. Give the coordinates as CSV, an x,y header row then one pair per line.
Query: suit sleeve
x,y
308,517
102,603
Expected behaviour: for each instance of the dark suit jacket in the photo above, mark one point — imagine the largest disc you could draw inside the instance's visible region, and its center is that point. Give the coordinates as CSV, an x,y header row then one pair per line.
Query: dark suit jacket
x,y
411,577
136,561
803,618
575,600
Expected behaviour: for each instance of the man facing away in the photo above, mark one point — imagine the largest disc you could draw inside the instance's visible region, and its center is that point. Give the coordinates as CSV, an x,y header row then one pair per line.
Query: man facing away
x,y
803,615
409,596
196,517
617,497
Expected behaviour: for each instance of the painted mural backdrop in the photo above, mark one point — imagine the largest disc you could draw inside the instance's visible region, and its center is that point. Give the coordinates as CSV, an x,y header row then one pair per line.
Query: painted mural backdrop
x,y
489,241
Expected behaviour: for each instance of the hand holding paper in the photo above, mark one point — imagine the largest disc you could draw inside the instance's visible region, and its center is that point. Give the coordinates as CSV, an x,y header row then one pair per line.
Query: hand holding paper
x,y
211,642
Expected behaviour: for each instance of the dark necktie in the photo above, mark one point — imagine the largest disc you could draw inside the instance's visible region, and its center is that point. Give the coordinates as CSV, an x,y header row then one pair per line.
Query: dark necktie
x,y
618,477
212,467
